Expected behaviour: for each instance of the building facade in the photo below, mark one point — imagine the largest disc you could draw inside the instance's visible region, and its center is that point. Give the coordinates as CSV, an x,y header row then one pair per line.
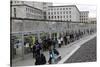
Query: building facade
x,y
24,9
92,20
84,16
64,13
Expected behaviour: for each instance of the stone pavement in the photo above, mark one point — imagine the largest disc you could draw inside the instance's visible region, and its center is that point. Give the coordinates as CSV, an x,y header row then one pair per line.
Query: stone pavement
x,y
65,51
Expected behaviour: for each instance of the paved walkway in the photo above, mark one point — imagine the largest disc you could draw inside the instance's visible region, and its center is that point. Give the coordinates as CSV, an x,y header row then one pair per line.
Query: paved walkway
x,y
65,52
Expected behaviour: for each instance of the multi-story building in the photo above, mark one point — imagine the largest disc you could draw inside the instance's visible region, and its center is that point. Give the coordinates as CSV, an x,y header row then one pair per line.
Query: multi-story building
x,y
24,9
42,5
84,16
92,20
65,13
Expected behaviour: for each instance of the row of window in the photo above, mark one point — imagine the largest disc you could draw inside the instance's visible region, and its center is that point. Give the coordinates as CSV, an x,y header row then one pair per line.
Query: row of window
x,y
84,13
83,16
59,9
58,17
83,19
33,16
33,10
17,1
51,13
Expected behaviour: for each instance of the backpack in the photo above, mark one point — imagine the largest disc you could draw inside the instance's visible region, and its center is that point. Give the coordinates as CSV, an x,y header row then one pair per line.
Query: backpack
x,y
56,52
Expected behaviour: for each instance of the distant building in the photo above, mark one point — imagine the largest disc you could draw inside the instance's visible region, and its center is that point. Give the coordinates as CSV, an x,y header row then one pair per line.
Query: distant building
x,y
92,20
65,13
84,16
46,10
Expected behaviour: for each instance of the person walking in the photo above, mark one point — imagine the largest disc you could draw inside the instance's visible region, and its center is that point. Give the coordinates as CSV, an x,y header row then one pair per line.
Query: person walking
x,y
53,53
59,42
37,47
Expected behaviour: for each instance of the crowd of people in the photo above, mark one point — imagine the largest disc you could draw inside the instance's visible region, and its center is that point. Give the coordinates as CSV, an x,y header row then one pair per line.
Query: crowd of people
x,y
50,44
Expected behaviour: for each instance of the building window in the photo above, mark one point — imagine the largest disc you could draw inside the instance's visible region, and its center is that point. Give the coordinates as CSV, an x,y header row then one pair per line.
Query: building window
x,y
51,13
70,19
69,8
66,12
60,8
66,8
49,17
15,1
52,17
26,9
69,12
51,9
57,12
48,13
63,12
14,12
58,17
70,16
54,12
63,8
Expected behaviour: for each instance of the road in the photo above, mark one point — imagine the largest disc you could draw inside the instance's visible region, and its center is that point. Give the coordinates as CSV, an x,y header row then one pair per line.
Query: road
x,y
86,53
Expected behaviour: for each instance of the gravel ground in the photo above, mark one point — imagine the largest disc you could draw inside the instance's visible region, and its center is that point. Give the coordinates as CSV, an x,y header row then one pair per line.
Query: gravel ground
x,y
86,53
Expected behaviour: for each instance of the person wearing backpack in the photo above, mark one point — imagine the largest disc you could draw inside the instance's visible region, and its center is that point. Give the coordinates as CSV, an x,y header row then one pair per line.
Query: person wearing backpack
x,y
37,48
52,55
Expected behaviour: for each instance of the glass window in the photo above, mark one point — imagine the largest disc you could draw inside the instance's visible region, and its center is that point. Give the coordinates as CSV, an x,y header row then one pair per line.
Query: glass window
x,y
69,12
14,12
58,17
67,16
66,8
48,13
66,12
57,12
63,12
70,16
52,17
63,8
69,8
55,17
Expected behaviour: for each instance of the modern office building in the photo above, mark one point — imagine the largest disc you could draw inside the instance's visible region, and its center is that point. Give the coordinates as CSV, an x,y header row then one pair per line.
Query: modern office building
x,y
84,16
64,13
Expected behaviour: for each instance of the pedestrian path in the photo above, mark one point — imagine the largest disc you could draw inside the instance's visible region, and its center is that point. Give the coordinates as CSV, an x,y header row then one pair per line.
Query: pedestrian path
x,y
65,52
